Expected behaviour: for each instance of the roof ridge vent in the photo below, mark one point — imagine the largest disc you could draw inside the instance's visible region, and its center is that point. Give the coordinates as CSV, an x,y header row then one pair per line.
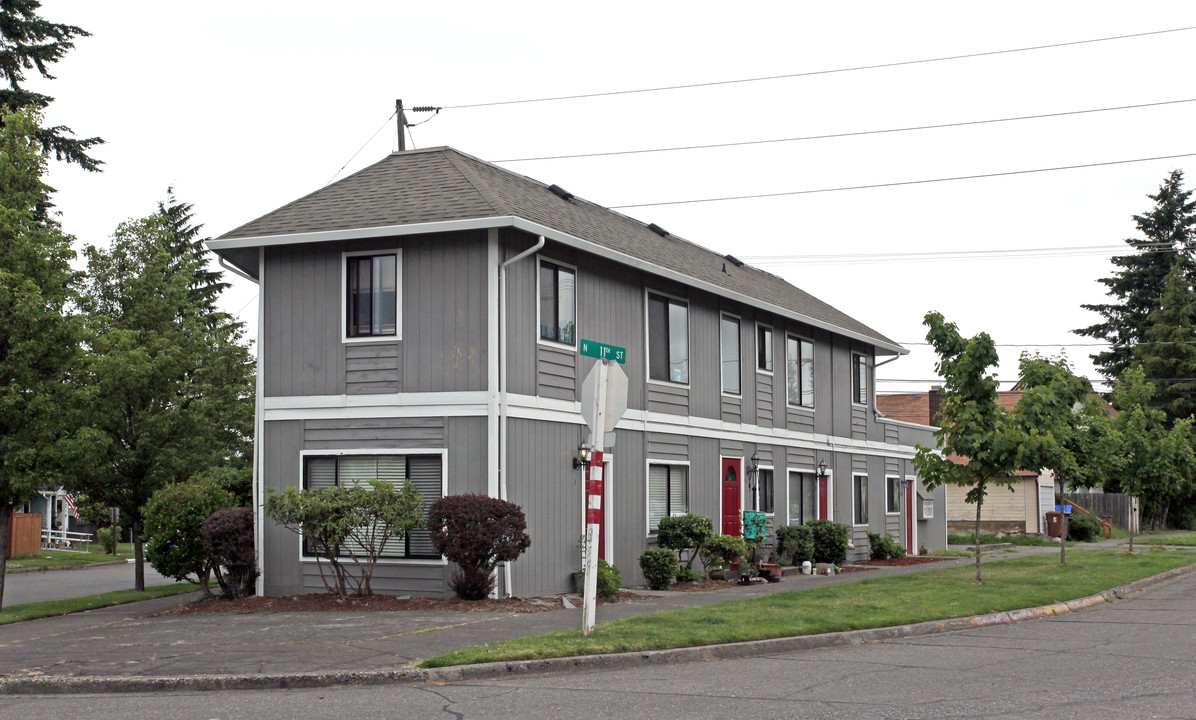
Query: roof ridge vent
x,y
658,230
734,260
560,192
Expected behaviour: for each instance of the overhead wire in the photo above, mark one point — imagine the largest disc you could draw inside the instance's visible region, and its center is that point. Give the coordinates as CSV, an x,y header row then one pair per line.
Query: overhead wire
x,y
812,73
829,136
902,183
367,142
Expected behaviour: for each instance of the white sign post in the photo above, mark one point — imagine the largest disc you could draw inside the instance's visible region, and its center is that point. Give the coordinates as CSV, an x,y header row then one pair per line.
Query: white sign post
x,y
603,402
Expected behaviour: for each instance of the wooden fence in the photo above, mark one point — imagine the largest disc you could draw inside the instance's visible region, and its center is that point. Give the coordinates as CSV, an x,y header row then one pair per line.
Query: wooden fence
x,y
25,536
1121,507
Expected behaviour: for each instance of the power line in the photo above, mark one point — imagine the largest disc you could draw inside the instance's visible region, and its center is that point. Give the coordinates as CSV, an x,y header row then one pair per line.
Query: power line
x,y
900,183
1076,344
829,136
816,72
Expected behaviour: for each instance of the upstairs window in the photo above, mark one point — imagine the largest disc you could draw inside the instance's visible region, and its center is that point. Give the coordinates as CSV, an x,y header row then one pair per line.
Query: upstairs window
x,y
730,355
372,295
668,339
558,304
859,379
763,348
799,371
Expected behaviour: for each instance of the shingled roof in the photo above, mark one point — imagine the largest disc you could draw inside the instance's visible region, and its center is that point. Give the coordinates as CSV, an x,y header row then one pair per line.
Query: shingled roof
x,y
443,185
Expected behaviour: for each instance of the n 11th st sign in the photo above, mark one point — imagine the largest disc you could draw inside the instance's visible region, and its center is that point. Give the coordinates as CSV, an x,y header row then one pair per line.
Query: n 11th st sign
x,y
602,351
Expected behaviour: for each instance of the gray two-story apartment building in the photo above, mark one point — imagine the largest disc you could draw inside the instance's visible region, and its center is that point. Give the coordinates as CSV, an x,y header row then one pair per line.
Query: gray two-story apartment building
x,y
421,320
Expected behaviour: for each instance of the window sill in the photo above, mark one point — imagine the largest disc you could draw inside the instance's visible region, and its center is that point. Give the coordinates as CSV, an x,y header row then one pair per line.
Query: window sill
x,y
556,345
371,339
311,560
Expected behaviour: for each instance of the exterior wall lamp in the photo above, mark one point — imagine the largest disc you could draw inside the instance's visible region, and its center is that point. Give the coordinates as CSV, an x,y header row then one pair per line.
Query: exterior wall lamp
x,y
822,468
583,456
753,473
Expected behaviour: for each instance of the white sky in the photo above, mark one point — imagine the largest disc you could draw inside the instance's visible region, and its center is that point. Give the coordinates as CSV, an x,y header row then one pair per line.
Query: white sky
x,y
245,106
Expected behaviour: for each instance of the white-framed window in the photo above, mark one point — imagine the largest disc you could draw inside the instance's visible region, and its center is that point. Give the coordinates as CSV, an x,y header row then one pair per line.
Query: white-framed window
x,y
668,492
558,303
668,339
729,351
859,379
803,497
424,469
763,348
372,287
799,371
892,495
764,495
859,499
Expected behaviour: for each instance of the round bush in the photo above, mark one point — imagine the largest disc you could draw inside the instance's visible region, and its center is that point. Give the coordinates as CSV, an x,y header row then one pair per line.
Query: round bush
x,y
659,566
830,541
1083,528
174,518
795,542
609,581
721,550
477,532
228,544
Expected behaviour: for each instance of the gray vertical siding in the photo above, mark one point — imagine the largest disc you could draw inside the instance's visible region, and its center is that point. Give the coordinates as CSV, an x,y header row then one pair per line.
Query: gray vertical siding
x,y
281,469
301,346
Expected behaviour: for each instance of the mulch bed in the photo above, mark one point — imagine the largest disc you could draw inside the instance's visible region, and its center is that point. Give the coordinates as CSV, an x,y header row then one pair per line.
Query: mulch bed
x,y
324,602
702,586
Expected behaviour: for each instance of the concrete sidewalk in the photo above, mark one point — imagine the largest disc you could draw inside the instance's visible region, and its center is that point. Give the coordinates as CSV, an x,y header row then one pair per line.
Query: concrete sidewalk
x,y
130,647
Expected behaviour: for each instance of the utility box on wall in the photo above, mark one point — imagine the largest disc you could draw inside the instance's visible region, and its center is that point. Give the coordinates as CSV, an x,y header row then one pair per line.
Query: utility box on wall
x,y
926,509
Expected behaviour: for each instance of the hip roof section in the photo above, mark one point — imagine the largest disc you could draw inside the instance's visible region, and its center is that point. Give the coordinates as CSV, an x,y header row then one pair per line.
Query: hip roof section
x,y
442,185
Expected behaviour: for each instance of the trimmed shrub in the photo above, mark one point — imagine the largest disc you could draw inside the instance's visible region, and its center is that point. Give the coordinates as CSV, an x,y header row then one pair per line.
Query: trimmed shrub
x,y
684,532
109,537
228,545
174,518
659,566
610,579
684,574
884,548
1083,528
477,532
795,542
721,550
830,541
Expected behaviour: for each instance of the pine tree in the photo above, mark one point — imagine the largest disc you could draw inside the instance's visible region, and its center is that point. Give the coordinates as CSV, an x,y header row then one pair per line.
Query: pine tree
x,y
1168,234
207,284
28,42
1168,356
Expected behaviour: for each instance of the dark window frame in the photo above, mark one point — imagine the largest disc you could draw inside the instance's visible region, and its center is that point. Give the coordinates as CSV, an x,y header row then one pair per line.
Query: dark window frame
x,y
724,320
556,270
763,348
354,327
892,495
661,360
794,373
859,499
859,378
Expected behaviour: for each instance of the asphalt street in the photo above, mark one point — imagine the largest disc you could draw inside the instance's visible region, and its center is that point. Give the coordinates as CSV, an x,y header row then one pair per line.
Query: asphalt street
x,y
1130,659
27,587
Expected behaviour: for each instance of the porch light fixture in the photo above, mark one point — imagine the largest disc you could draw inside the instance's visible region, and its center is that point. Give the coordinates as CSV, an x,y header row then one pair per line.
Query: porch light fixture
x,y
755,461
583,456
822,468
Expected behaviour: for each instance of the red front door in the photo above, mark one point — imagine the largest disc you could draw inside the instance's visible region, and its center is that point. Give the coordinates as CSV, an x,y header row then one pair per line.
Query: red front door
x,y
731,470
823,498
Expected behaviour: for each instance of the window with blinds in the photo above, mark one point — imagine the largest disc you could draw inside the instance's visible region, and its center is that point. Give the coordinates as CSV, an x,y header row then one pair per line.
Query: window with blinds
x,y
424,471
668,493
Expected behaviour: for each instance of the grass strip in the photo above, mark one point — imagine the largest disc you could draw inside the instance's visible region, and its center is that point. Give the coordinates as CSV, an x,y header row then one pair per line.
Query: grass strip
x,y
86,555
49,608
1020,540
1187,539
878,602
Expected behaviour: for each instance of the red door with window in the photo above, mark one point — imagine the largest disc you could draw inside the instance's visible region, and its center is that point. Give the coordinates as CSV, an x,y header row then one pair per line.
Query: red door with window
x,y
823,498
731,470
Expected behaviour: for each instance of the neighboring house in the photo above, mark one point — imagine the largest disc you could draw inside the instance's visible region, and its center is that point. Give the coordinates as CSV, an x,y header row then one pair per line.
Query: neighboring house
x,y
1020,507
421,319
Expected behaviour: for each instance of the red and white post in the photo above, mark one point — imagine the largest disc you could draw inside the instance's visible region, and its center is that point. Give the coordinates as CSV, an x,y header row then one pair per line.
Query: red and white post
x,y
593,503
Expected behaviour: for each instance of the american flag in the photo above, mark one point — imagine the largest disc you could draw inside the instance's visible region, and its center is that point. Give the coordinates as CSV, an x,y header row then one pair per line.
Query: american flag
x,y
70,503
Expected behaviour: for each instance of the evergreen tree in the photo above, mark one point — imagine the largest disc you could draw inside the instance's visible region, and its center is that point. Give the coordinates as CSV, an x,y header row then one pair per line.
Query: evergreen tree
x,y
28,42
1168,235
1168,356
38,339
171,390
207,284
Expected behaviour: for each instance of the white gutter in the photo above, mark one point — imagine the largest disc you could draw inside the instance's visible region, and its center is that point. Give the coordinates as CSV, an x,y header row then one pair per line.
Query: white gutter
x,y
236,270
258,429
561,237
502,384
875,408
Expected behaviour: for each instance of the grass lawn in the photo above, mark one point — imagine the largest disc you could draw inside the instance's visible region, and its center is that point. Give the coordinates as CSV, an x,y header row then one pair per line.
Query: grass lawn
x,y
1187,539
94,553
880,602
1021,540
32,611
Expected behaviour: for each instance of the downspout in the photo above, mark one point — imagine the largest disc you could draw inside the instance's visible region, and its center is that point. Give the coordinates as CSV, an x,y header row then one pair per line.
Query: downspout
x,y
502,384
876,410
235,270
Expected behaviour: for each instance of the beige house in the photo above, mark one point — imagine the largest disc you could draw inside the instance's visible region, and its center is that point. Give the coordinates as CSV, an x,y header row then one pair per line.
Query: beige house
x,y
1019,508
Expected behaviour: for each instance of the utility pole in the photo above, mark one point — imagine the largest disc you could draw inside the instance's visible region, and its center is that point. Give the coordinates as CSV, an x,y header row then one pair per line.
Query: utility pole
x,y
401,121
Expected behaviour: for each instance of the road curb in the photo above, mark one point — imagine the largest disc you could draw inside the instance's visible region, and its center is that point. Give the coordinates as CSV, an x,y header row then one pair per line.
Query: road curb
x,y
44,685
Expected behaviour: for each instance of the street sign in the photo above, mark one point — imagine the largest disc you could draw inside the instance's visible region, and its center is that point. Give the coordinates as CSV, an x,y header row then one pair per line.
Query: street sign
x,y
616,397
602,351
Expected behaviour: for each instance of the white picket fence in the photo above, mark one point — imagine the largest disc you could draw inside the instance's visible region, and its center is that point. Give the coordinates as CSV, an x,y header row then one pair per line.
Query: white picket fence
x,y
64,540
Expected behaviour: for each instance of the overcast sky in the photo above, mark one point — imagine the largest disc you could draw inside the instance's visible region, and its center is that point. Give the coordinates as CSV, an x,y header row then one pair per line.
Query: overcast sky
x,y
245,106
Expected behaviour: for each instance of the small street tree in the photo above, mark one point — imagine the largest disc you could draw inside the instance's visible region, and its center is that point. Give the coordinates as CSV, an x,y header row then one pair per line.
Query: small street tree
x,y
39,340
165,386
972,427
